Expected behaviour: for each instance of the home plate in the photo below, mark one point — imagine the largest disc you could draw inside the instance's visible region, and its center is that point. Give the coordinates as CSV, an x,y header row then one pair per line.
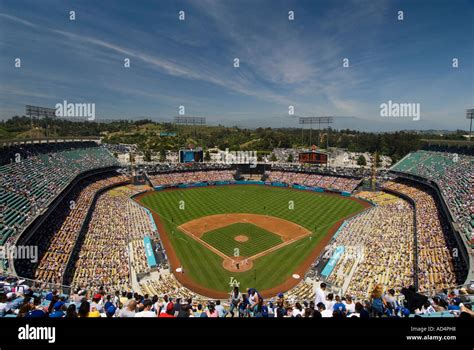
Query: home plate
x,y
179,269
295,276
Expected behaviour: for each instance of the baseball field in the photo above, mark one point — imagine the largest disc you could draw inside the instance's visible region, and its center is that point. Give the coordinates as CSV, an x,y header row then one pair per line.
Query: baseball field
x,y
257,236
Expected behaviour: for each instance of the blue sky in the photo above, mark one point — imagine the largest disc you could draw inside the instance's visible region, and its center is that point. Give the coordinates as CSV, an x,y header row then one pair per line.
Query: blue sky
x,y
282,62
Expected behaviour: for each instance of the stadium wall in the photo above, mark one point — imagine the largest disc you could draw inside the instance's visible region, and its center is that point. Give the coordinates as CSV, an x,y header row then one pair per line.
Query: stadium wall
x,y
251,182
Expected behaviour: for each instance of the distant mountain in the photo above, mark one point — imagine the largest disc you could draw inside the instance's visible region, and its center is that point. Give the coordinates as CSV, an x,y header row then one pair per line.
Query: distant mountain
x,y
353,123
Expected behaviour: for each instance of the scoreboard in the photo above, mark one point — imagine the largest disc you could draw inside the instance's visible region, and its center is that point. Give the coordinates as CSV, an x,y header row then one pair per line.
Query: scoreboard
x,y
313,157
190,156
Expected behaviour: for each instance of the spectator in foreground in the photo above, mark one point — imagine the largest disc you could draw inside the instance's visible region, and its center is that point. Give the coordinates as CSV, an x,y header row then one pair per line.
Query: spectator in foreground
x,y
220,309
413,299
244,306
84,309
377,300
298,311
58,310
349,304
211,311
322,309
71,311
235,299
3,304
147,305
320,294
129,310
339,307
169,312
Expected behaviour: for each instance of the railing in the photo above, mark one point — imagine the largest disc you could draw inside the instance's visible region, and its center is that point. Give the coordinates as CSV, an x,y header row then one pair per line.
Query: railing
x,y
40,286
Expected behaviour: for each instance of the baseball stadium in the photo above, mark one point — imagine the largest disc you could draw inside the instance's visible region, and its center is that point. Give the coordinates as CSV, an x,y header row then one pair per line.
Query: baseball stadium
x,y
197,230
240,160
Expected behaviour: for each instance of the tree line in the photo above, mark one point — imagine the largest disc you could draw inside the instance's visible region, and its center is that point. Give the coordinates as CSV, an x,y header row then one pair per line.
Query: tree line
x,y
155,137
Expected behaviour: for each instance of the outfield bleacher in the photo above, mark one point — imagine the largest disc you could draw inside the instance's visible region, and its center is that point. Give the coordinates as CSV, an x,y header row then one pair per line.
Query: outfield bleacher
x,y
28,186
454,174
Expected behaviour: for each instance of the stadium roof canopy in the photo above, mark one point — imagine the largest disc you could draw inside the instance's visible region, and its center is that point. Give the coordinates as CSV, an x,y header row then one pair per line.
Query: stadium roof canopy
x,y
9,142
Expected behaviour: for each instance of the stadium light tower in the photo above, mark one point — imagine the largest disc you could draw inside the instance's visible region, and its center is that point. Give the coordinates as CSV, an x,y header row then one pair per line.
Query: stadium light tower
x,y
184,120
40,112
470,115
190,120
316,120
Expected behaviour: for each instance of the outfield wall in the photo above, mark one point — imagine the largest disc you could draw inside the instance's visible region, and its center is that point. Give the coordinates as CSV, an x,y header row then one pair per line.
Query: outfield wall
x,y
251,182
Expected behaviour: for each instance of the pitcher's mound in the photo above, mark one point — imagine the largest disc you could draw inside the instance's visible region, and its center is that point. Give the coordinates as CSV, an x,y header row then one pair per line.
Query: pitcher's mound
x,y
237,264
241,238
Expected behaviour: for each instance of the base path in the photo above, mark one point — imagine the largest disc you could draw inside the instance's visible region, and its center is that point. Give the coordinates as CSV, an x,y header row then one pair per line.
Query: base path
x,y
287,230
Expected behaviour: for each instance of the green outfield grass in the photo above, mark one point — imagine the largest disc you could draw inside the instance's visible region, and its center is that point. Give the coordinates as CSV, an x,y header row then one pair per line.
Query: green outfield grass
x,y
259,239
317,212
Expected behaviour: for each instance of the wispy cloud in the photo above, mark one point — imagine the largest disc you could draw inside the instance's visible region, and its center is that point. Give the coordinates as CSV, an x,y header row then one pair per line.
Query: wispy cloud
x,y
237,84
281,62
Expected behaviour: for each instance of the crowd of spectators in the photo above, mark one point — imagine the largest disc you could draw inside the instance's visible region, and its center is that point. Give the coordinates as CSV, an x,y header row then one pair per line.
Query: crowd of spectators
x,y
57,236
378,247
438,265
166,283
9,153
454,174
378,260
328,182
323,170
138,257
113,241
19,300
28,185
154,169
120,148
191,177
315,180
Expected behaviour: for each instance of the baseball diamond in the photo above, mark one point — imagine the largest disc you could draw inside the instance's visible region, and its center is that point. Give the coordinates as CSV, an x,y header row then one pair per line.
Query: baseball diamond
x,y
282,243
258,239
